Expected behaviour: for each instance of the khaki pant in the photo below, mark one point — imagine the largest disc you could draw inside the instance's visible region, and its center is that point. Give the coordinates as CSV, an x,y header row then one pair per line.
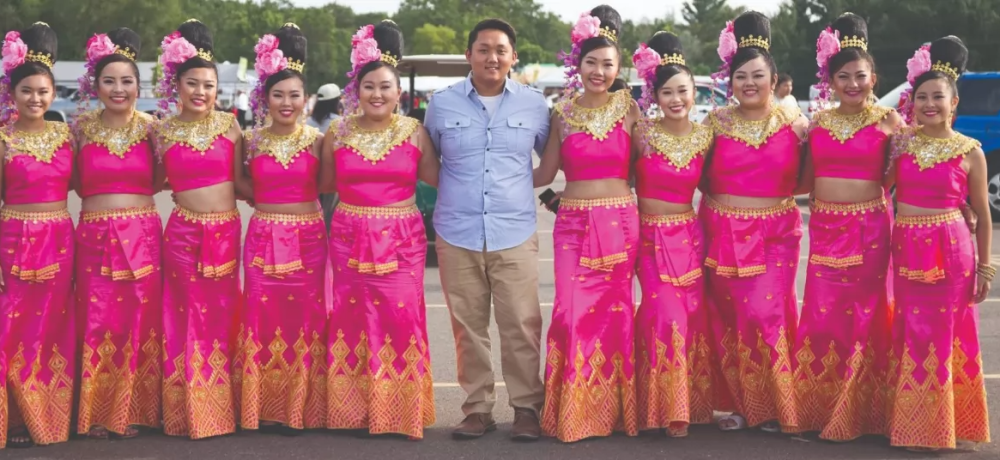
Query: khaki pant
x,y
510,277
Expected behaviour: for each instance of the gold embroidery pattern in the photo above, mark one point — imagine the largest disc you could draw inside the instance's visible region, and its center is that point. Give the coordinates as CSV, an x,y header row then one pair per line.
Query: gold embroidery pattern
x,y
284,149
44,407
378,212
763,389
371,268
118,141
928,151
90,217
936,220
842,209
782,208
581,205
844,127
835,262
289,219
727,122
383,399
934,414
739,272
34,217
590,405
668,220
375,145
679,388
113,396
678,150
600,121
4,422
41,146
207,217
204,406
198,135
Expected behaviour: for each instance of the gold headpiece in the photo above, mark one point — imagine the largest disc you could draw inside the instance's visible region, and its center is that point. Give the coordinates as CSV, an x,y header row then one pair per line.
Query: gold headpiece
x,y
206,55
292,25
389,59
672,59
608,33
125,52
946,69
755,41
41,58
296,65
854,42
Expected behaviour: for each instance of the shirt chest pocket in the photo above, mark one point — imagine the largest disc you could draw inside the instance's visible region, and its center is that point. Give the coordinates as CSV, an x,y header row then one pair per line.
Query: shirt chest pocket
x,y
456,132
520,134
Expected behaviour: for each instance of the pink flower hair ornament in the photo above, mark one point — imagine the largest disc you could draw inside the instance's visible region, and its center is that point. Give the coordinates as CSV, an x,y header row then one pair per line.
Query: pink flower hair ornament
x,y
14,53
646,60
269,61
98,47
364,50
174,51
916,66
827,46
727,49
586,27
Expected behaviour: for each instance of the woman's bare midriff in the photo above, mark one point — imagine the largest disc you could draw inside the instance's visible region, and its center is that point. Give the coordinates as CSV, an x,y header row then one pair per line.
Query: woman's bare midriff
x,y
37,207
594,189
309,207
903,209
106,202
837,190
220,197
655,207
749,201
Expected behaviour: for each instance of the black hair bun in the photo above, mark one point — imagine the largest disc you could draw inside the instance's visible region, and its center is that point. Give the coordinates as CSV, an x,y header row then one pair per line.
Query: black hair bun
x,y
952,52
292,42
41,39
666,44
127,40
752,30
198,35
390,38
851,28
610,19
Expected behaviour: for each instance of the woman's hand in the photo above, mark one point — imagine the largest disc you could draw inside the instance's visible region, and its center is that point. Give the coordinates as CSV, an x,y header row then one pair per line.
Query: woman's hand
x,y
983,285
555,199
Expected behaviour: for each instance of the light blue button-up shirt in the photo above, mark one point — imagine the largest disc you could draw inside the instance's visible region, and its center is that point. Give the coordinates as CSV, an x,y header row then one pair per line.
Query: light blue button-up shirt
x,y
485,192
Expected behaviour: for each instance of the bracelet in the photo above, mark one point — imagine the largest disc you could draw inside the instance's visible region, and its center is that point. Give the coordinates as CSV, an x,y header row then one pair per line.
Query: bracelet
x,y
986,271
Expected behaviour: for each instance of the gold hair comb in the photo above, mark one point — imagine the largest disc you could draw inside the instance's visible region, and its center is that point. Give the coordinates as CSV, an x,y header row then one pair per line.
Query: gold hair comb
x,y
608,33
854,42
126,52
946,69
390,59
41,58
296,65
755,41
672,59
206,55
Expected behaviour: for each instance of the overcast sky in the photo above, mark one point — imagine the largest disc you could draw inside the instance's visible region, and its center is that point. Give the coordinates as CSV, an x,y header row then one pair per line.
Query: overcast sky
x,y
568,9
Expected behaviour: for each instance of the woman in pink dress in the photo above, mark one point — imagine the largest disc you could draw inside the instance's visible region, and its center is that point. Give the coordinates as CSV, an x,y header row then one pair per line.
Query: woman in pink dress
x,y
589,372
379,374
282,351
937,395
753,231
37,320
119,286
672,339
842,343
201,243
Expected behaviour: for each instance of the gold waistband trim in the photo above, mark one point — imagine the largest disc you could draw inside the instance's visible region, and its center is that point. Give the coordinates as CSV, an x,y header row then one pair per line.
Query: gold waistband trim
x,y
929,221
207,217
288,219
121,213
660,220
876,205
41,216
733,211
378,211
615,202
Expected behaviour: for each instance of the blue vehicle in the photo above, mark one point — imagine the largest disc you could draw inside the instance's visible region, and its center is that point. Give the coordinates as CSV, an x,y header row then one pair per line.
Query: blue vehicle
x,y
978,116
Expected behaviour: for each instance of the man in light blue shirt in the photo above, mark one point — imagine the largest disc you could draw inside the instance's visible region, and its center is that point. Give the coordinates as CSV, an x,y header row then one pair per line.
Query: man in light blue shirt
x,y
485,128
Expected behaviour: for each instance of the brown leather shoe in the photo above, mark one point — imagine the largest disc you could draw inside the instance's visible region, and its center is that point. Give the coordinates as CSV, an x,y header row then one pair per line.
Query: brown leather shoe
x,y
526,427
474,426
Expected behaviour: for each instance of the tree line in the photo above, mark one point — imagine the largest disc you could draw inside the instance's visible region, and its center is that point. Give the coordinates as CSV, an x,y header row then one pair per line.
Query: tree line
x,y
896,29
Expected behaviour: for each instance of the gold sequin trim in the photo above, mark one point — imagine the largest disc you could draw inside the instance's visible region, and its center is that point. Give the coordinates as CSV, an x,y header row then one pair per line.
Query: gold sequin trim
x,y
198,135
370,268
207,217
35,217
660,220
598,122
217,271
41,146
277,269
928,221
834,262
284,149
922,276
678,150
114,214
684,280
118,141
727,122
740,272
578,204
374,145
378,211
288,219
751,213
603,263
876,205
127,275
844,127
929,151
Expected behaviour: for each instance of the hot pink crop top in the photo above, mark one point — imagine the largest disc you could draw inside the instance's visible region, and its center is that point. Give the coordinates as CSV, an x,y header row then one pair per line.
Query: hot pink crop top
x,y
670,168
39,165
201,154
378,168
115,160
283,168
601,148
929,171
754,158
849,147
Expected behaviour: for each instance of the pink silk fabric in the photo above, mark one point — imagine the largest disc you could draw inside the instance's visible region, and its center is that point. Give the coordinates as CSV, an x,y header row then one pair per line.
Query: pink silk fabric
x,y
861,157
102,172
673,348
119,295
274,184
843,339
752,258
590,366
201,304
27,180
391,181
282,345
942,186
189,169
659,179
583,158
936,390
772,170
379,371
37,325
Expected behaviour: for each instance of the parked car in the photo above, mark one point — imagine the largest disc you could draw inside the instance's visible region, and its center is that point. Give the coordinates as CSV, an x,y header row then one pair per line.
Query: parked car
x,y
978,116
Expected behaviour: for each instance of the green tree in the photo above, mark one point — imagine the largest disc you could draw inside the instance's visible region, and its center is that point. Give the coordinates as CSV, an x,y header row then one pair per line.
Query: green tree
x,y
432,39
530,53
703,20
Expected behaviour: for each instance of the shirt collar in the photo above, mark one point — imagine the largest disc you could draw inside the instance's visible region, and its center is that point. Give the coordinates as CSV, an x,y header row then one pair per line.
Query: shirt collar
x,y
508,86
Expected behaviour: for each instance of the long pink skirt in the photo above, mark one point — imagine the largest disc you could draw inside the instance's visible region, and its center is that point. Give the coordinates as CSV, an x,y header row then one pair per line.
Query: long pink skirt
x,y
119,295
843,340
937,392
282,345
752,256
590,365
201,299
379,371
672,339
37,325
